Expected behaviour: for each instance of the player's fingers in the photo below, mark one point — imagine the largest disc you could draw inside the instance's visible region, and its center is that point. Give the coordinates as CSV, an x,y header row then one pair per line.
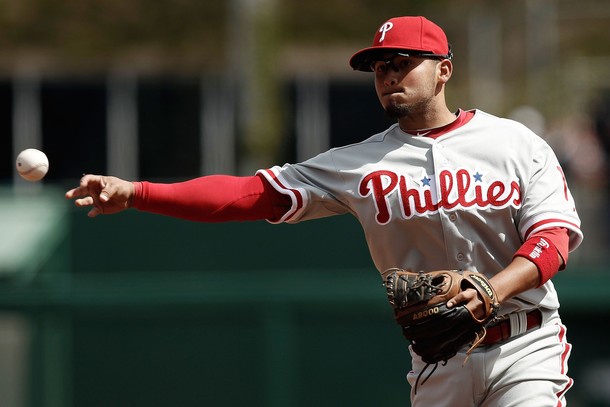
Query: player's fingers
x,y
109,188
90,185
77,192
86,179
72,193
105,196
86,182
116,190
470,298
86,201
455,301
461,297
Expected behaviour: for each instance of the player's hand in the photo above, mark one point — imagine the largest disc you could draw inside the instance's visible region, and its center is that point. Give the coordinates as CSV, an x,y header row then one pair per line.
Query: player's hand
x,y
107,195
469,297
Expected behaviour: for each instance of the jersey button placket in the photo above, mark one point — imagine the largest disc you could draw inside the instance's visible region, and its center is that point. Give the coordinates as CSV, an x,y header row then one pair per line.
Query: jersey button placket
x,y
447,219
439,157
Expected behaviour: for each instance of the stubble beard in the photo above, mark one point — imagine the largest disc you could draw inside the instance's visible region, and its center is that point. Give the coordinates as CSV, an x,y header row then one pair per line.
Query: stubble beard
x,y
395,110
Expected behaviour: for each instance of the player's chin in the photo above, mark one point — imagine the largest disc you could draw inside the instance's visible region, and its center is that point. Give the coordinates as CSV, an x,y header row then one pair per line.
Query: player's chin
x,y
396,110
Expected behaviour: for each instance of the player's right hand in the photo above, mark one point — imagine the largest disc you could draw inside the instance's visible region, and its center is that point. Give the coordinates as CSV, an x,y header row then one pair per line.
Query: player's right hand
x,y
107,195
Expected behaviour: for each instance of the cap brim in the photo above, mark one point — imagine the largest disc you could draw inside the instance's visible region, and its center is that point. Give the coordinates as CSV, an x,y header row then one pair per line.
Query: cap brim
x,y
361,60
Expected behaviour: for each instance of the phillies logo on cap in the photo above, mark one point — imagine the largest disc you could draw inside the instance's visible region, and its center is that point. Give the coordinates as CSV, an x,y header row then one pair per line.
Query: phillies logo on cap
x,y
384,29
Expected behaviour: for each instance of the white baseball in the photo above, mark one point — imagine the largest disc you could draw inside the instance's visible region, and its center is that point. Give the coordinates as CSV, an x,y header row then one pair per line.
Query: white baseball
x,y
32,164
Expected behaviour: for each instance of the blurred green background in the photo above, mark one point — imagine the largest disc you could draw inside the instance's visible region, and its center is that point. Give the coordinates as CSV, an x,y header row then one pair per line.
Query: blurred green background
x,y
143,310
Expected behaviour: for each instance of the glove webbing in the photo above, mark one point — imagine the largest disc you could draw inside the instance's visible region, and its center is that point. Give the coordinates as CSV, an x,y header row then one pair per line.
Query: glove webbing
x,y
419,290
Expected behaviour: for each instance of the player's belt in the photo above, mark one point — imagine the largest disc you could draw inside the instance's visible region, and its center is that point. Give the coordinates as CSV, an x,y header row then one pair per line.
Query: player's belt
x,y
502,330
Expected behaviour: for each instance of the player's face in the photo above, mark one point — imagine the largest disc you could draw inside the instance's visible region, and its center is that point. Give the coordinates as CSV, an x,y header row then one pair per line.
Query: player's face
x,y
406,86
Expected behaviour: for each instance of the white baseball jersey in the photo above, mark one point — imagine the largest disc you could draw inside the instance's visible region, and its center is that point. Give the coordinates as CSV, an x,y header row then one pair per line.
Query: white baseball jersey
x,y
465,200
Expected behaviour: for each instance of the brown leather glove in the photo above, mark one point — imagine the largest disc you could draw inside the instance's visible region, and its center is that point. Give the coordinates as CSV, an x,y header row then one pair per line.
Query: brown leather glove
x,y
436,332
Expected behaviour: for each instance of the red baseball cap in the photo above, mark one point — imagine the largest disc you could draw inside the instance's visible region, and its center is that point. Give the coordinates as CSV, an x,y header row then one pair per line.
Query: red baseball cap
x,y
409,35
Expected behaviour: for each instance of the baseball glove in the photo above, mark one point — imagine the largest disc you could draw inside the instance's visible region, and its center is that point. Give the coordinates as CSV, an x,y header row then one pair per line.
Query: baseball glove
x,y
436,332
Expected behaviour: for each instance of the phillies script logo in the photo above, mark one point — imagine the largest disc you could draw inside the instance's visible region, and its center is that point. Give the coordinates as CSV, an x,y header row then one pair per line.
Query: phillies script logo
x,y
455,189
384,29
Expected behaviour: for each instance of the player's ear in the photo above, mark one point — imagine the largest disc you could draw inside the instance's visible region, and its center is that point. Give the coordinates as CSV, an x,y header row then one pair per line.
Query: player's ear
x,y
445,69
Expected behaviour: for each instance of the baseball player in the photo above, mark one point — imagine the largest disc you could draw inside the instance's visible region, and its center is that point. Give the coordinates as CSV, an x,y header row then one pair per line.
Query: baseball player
x,y
440,189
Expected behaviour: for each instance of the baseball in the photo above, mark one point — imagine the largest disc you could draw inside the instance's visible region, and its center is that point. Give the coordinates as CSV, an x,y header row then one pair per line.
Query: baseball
x,y
32,164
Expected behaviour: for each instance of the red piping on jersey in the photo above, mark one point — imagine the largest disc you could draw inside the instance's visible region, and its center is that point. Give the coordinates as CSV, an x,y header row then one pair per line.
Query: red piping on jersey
x,y
561,336
297,194
556,222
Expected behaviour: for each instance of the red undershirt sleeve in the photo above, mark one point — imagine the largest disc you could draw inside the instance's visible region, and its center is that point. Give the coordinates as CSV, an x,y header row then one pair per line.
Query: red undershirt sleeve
x,y
214,198
548,250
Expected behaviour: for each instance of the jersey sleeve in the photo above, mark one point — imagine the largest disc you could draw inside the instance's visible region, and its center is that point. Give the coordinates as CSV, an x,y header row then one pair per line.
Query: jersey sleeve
x,y
314,186
547,200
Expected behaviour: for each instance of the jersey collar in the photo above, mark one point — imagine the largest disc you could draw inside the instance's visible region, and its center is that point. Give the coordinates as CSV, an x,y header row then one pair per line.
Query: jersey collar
x,y
463,117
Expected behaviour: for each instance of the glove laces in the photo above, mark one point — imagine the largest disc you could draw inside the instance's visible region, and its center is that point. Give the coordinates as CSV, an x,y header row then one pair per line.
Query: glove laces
x,y
478,339
428,376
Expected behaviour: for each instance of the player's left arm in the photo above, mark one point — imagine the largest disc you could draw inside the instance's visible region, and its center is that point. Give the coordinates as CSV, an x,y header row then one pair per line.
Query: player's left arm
x,y
519,276
537,261
548,222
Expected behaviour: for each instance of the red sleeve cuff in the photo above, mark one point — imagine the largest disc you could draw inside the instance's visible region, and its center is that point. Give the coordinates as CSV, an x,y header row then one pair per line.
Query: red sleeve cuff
x,y
137,194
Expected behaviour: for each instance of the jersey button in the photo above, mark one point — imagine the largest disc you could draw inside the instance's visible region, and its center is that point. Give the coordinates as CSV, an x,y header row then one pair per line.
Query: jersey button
x,y
460,256
453,217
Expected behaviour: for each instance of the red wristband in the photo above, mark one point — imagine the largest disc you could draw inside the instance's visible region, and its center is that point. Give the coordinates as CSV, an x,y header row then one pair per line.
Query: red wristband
x,y
543,253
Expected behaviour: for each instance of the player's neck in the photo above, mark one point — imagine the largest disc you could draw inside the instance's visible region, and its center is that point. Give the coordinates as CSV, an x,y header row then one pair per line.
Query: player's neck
x,y
426,122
